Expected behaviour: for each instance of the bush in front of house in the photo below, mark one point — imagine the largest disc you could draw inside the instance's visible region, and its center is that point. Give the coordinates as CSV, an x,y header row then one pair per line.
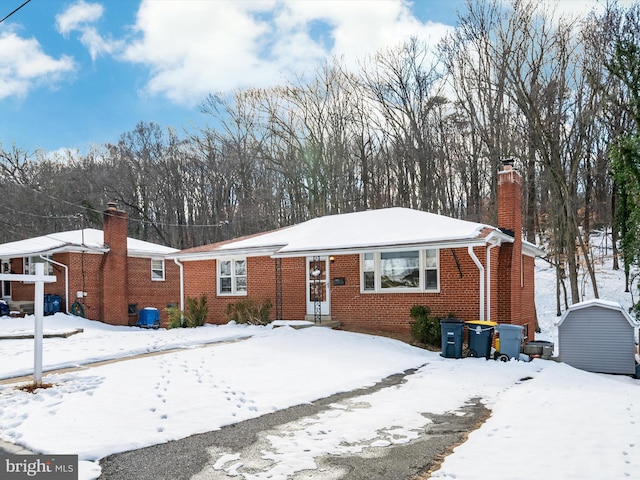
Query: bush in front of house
x,y
425,329
195,313
248,311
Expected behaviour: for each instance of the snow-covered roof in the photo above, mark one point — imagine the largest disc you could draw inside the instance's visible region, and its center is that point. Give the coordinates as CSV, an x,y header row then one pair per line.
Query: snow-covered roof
x,y
598,302
86,240
388,227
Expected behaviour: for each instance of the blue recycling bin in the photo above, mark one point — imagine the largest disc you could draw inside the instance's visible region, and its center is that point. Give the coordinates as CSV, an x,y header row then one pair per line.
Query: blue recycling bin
x,y
510,341
4,308
452,330
52,303
149,317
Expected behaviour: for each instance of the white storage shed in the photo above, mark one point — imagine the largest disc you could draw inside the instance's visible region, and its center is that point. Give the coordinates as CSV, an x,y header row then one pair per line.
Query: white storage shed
x,y
598,336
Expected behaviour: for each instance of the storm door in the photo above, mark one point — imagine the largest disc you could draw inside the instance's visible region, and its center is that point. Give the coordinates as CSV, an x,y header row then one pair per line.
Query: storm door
x,y
317,286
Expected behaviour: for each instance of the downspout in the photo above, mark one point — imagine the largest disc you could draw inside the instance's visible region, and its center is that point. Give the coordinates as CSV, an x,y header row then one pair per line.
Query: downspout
x,y
489,247
66,280
481,269
181,267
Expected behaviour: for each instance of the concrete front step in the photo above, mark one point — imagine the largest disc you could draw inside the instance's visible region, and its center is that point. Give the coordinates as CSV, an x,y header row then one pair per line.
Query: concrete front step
x,y
311,317
325,321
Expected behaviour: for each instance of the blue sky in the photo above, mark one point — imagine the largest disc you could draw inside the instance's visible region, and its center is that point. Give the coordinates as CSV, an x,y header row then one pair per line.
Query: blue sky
x,y
76,73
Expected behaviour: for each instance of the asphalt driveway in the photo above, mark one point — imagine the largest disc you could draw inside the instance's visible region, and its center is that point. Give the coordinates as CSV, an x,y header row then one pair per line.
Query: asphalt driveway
x,y
194,457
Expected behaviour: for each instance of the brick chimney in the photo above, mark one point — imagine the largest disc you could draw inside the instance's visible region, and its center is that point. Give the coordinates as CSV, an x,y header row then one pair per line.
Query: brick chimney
x,y
510,256
114,300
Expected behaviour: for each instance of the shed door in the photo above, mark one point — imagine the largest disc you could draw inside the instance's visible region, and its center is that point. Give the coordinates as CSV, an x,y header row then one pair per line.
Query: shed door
x,y
318,285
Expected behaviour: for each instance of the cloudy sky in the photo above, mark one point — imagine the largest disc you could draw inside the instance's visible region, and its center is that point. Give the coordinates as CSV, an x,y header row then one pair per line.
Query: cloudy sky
x,y
75,73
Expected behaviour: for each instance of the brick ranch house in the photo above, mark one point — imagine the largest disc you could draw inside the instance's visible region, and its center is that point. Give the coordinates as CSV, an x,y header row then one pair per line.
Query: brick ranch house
x,y
117,274
367,269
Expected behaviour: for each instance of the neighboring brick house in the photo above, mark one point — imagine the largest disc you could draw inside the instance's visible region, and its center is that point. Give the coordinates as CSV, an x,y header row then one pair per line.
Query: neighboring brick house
x,y
110,275
367,269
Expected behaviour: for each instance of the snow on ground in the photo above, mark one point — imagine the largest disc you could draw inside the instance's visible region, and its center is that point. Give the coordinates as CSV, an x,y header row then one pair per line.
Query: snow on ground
x,y
98,341
547,418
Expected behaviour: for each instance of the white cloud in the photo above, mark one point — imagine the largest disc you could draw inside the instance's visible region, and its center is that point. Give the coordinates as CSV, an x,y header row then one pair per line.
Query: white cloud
x,y
77,15
80,17
23,64
194,47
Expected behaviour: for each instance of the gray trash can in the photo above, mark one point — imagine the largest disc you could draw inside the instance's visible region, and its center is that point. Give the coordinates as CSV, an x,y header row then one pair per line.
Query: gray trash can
x,y
510,341
452,330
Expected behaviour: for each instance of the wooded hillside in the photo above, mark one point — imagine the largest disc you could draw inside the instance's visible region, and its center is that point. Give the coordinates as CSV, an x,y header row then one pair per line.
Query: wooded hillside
x,y
418,125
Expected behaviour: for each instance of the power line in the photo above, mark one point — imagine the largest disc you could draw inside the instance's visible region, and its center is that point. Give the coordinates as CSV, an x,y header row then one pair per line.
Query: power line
x,y
99,212
15,11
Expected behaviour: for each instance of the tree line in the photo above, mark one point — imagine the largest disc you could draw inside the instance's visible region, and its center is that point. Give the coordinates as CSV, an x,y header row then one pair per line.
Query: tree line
x,y
417,125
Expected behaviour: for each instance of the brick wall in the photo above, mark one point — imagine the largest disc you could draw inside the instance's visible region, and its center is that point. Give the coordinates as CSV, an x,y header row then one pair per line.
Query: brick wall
x,y
459,294
20,291
145,292
528,296
111,281
459,290
200,278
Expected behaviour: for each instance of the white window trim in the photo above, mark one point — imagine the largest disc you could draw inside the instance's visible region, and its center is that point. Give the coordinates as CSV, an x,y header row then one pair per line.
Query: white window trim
x,y
421,288
234,292
162,277
28,265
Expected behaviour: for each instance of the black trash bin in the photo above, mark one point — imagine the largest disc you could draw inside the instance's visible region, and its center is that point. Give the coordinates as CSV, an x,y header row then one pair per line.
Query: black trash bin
x,y
480,338
452,330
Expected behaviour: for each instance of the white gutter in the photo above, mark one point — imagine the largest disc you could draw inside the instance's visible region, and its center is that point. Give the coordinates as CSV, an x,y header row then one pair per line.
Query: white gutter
x,y
280,250
489,247
481,269
66,280
181,266
479,242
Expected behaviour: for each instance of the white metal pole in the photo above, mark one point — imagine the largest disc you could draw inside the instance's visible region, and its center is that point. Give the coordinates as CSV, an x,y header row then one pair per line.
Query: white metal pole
x,y
38,310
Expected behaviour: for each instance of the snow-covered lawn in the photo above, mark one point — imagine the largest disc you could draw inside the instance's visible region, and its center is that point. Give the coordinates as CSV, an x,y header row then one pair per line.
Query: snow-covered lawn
x,y
548,419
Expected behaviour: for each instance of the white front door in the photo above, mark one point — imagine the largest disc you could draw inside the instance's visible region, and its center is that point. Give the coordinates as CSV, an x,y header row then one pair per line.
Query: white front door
x,y
317,285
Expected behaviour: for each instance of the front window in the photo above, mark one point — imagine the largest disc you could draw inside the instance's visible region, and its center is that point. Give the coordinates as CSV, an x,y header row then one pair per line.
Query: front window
x,y
431,269
369,271
232,276
400,271
29,265
157,270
